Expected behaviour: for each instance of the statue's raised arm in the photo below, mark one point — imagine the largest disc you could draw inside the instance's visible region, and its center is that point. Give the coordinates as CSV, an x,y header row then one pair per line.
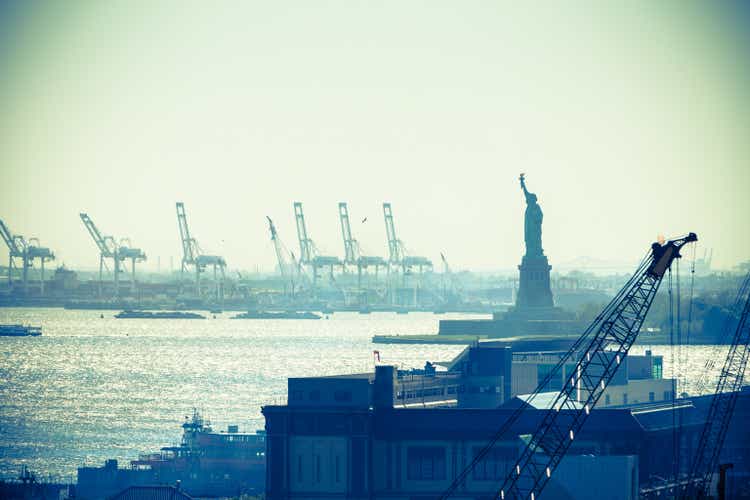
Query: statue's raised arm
x,y
530,197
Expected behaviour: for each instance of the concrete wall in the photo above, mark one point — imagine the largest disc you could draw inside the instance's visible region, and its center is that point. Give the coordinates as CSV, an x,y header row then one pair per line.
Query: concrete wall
x,y
638,391
318,464
333,391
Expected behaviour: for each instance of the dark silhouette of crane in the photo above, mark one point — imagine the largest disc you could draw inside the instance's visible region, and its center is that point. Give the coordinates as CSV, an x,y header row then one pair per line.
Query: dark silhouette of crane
x,y
596,355
706,459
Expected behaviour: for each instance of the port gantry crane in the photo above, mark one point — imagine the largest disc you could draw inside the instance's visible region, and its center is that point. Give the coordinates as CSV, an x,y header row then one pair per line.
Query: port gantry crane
x,y
27,251
706,457
309,253
398,257
110,249
353,250
596,355
192,255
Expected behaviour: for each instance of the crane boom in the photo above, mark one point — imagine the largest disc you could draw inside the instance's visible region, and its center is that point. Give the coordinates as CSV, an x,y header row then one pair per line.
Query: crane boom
x,y
15,247
188,243
394,245
306,247
351,247
104,243
706,458
278,248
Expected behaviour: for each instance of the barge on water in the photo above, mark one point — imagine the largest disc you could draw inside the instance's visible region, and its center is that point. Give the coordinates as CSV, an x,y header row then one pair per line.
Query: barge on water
x,y
128,314
20,331
277,315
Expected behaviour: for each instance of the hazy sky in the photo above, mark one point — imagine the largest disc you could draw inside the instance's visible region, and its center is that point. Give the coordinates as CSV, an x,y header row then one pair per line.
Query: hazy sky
x,y
630,119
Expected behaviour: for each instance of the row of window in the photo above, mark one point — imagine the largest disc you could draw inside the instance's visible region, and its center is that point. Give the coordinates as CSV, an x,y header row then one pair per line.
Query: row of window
x,y
428,463
340,396
651,397
426,393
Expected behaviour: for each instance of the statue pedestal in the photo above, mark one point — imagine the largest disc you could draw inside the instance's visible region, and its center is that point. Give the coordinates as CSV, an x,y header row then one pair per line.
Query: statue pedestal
x,y
534,289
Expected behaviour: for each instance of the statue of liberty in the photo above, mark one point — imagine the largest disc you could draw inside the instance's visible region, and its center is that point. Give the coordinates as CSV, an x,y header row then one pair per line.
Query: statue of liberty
x,y
532,223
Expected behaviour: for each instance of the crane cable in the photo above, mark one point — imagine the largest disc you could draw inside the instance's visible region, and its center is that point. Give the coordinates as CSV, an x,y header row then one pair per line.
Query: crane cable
x,y
670,309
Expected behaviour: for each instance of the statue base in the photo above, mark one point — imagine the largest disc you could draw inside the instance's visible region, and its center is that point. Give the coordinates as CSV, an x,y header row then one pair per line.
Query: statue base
x,y
534,290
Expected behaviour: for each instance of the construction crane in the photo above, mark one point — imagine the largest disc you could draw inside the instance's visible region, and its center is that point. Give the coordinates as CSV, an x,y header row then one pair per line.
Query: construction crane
x,y
353,251
27,251
596,356
192,255
706,458
309,253
452,288
288,272
110,249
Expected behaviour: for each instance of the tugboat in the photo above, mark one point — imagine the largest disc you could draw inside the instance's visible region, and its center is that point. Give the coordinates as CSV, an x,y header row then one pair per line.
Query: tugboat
x,y
20,331
276,315
128,314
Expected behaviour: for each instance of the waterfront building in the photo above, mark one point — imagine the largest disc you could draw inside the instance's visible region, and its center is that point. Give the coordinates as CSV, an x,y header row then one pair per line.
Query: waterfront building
x,y
361,445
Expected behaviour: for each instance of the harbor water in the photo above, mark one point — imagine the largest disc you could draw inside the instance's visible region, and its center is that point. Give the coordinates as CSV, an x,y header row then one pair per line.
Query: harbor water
x,y
93,388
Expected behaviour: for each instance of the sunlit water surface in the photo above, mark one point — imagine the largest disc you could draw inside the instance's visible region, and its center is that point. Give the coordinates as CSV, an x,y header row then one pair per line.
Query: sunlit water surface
x,y
93,388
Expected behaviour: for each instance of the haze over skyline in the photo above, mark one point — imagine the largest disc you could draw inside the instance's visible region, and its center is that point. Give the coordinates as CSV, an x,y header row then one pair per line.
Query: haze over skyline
x,y
629,121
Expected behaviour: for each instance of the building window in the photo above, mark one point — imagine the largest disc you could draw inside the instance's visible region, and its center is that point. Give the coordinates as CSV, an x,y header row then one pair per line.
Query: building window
x,y
299,468
656,368
625,398
607,400
297,396
542,371
495,464
667,395
425,463
314,395
338,470
342,396
317,468
651,397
